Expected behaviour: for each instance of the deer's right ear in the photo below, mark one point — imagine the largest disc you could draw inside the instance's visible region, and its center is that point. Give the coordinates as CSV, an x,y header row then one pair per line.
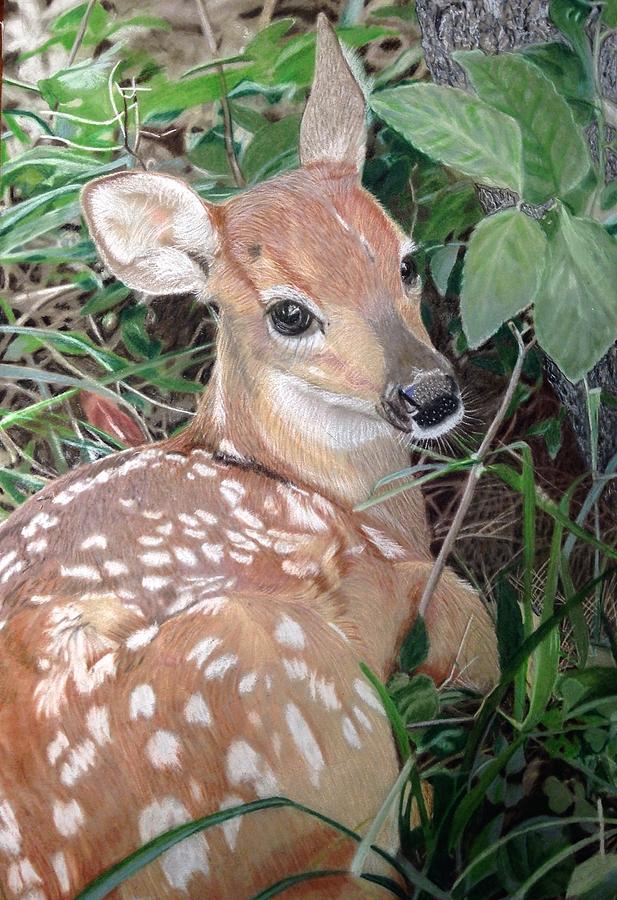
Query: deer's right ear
x,y
152,231
334,122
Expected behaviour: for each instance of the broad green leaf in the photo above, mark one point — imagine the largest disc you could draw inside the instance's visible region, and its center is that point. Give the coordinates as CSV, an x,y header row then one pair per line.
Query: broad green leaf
x,y
453,210
595,879
609,13
502,272
570,17
563,67
509,625
441,264
555,155
415,646
274,149
576,305
458,130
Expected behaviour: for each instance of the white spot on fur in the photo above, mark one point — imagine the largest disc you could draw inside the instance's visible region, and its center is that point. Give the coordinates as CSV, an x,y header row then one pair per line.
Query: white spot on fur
x,y
245,766
219,667
80,759
351,735
8,558
191,521
231,827
87,573
185,556
300,570
68,817
58,861
187,858
369,696
10,835
21,876
203,650
206,516
247,683
305,742
247,518
37,546
115,567
297,669
155,559
388,548
362,718
41,598
142,637
243,558
142,702
213,552
97,722
232,491
289,633
150,540
165,529
154,582
13,570
56,747
197,711
95,540
152,514
163,750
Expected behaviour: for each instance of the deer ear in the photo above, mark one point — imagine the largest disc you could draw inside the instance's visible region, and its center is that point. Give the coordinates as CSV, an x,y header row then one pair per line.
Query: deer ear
x,y
333,125
152,231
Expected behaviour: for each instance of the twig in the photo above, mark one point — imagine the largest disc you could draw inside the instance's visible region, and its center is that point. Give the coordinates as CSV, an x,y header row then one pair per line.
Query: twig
x,y
267,12
472,480
208,32
80,34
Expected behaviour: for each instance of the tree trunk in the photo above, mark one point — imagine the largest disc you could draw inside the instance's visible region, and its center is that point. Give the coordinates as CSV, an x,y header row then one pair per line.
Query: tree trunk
x,y
496,26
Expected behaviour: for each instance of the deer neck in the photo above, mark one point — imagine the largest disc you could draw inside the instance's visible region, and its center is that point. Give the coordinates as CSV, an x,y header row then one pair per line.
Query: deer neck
x,y
333,448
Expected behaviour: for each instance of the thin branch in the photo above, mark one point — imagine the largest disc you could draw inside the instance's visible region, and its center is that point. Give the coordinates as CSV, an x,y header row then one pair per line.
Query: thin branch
x,y
208,32
80,34
472,480
267,12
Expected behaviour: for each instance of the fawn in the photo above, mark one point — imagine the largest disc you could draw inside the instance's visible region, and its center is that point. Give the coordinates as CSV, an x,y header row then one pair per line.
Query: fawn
x,y
182,624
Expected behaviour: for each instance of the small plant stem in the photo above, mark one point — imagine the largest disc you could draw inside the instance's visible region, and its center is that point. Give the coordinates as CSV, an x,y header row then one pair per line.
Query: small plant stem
x,y
472,480
364,847
592,397
208,33
266,14
80,34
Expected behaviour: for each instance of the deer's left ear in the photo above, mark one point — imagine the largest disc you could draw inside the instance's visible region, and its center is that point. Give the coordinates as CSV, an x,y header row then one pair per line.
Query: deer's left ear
x,y
152,231
334,124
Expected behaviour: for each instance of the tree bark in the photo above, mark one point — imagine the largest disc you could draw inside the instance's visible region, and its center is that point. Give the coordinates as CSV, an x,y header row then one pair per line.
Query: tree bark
x,y
496,26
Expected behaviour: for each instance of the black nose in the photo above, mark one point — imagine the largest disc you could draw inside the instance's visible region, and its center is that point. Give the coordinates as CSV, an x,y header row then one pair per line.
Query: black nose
x,y
433,397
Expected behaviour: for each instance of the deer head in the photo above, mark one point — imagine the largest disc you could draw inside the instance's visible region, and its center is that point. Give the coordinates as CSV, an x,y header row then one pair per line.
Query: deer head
x,y
323,362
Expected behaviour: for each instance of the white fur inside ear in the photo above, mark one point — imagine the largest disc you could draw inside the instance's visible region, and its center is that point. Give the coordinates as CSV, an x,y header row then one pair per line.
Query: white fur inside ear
x,y
152,231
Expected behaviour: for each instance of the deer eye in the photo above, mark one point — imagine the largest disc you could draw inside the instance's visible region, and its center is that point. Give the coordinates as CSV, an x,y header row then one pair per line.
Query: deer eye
x,y
409,270
290,318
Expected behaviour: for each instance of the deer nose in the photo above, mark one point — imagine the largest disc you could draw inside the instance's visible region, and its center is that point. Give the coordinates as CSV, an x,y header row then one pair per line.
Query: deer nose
x,y
434,397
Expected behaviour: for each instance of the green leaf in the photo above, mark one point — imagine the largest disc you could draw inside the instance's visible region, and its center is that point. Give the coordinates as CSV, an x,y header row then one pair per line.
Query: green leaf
x,y
570,17
458,130
509,626
415,646
563,67
595,879
502,272
576,306
134,334
555,155
274,149
609,13
441,264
